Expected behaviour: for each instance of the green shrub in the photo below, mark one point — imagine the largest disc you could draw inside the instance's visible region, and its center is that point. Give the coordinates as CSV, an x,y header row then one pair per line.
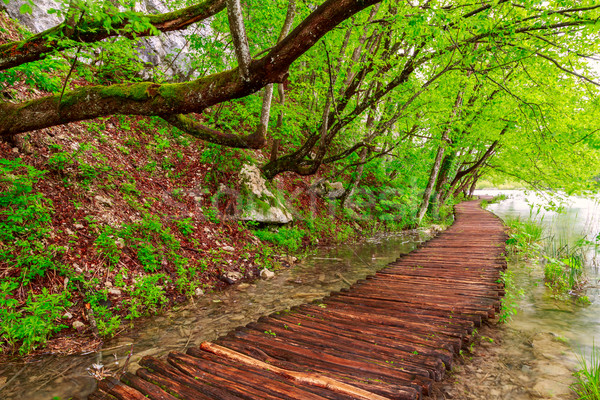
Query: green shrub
x,y
148,295
29,326
289,238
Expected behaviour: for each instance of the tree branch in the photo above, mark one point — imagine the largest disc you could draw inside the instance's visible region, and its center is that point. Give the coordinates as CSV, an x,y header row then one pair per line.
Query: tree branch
x,y
194,128
166,99
240,40
35,48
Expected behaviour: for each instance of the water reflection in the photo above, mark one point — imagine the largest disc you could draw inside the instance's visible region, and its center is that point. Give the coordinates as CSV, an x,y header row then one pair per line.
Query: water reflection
x,y
207,318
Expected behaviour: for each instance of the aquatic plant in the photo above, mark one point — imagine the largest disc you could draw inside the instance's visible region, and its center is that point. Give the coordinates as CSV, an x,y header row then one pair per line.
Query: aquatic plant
x,y
587,377
493,200
512,294
525,237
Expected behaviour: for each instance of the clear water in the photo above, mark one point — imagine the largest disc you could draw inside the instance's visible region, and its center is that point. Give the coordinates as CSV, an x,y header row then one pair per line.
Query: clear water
x,y
209,317
538,310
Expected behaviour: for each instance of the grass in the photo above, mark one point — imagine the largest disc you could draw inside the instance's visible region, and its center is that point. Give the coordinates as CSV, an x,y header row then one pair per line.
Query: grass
x,y
525,237
494,200
587,377
563,269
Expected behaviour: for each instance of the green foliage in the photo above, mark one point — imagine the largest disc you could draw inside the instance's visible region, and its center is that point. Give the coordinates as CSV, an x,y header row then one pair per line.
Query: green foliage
x,y
494,200
512,295
44,74
29,326
587,377
106,322
563,269
106,244
185,226
148,295
25,218
289,238
524,238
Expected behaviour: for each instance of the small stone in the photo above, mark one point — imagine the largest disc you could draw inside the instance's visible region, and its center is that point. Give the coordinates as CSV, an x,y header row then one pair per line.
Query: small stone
x,y
232,276
78,226
199,292
114,291
103,200
228,248
120,243
243,286
67,315
266,274
15,149
78,325
69,232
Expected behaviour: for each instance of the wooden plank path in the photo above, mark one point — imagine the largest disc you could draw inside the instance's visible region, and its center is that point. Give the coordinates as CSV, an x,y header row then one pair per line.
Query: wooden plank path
x,y
387,337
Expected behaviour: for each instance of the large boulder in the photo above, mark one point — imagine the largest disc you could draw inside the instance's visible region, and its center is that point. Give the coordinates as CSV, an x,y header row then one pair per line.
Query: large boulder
x,y
260,204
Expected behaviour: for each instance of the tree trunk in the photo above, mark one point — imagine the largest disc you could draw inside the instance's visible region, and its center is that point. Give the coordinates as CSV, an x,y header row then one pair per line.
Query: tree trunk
x,y
438,158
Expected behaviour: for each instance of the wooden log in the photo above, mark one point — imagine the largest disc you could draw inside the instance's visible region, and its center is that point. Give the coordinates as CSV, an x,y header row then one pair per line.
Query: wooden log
x,y
307,378
148,389
268,386
172,376
322,361
119,390
412,362
423,347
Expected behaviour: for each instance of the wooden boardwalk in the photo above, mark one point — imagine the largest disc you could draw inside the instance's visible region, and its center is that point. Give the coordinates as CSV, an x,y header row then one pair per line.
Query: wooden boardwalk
x,y
387,337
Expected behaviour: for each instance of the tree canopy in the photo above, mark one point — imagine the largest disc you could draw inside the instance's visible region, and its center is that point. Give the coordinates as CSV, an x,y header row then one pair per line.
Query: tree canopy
x,y
498,86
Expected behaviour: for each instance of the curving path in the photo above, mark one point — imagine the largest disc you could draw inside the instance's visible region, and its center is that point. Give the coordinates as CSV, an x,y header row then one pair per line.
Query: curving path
x,y
387,337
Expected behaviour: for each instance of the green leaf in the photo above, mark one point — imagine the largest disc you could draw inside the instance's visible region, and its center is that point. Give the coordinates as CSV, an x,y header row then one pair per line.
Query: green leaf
x,y
25,8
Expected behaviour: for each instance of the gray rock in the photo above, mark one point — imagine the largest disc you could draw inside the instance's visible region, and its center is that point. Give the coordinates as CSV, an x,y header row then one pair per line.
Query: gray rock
x,y
327,189
199,292
266,274
114,291
78,226
228,248
261,205
78,325
104,200
336,190
67,315
233,275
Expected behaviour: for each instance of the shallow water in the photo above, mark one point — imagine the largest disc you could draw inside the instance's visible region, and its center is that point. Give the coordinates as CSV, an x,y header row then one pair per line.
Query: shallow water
x,y
209,317
539,310
536,352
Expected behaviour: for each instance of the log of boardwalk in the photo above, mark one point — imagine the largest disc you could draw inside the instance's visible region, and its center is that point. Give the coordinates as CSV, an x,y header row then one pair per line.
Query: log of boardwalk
x,y
389,336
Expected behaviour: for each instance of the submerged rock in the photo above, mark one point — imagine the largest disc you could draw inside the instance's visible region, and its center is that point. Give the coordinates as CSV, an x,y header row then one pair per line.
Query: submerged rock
x,y
266,274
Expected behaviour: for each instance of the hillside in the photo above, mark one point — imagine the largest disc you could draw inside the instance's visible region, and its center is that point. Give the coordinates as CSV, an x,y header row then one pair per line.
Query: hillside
x,y
110,219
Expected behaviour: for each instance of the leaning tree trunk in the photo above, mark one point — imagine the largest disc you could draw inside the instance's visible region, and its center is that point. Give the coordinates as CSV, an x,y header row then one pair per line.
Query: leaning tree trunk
x,y
432,178
438,158
442,181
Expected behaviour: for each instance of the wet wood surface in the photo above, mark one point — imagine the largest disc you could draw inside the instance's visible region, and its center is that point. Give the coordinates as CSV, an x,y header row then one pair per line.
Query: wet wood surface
x,y
389,336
